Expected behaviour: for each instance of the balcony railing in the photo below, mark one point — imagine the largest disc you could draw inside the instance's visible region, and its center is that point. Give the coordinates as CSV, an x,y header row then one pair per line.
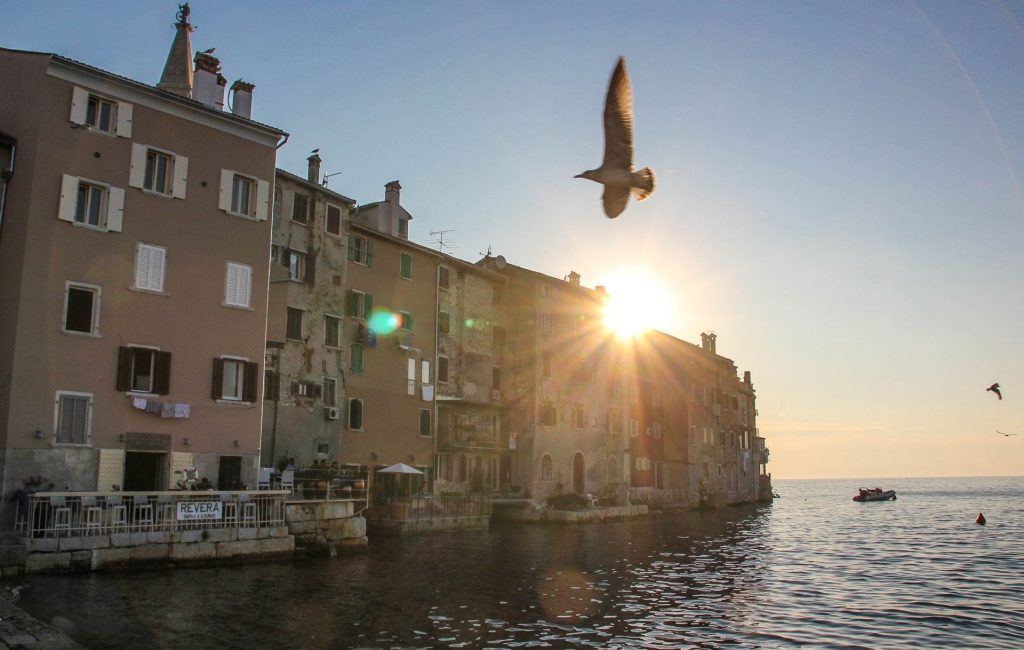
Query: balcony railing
x,y
438,507
82,514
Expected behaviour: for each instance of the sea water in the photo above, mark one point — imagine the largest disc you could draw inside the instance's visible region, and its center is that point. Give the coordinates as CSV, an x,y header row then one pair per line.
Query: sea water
x,y
815,569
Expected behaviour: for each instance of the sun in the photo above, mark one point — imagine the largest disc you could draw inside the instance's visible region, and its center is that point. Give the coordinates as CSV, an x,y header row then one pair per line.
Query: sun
x,y
636,303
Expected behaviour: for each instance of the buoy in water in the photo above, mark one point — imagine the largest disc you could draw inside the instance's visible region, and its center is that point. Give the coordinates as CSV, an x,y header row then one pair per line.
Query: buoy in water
x,y
980,519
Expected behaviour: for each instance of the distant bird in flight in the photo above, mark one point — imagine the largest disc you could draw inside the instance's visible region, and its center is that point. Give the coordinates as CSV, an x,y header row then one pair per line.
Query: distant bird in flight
x,y
317,150
616,171
995,389
1005,434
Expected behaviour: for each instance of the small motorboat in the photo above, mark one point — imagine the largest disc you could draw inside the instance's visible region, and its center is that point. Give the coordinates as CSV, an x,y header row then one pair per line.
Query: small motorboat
x,y
875,494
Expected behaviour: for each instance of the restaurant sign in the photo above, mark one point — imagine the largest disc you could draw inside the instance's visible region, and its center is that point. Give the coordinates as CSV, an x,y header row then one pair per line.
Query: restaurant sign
x,y
193,510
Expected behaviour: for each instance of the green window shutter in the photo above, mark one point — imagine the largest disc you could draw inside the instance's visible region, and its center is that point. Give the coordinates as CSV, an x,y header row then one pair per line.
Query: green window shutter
x,y
408,323
368,302
351,303
369,252
406,266
351,248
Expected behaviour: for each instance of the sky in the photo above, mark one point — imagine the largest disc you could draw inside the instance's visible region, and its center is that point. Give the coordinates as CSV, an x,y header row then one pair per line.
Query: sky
x,y
839,184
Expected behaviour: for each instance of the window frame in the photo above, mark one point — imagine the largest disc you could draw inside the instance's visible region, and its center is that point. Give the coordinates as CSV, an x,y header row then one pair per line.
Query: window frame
x,y
296,265
305,199
110,212
429,423
546,468
329,397
139,247
357,357
444,280
248,382
443,362
57,419
94,315
405,266
160,370
360,253
289,334
406,319
357,304
327,220
258,207
120,120
443,322
336,324
237,183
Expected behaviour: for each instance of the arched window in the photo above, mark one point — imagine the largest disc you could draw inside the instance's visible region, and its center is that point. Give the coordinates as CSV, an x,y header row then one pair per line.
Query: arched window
x,y
545,468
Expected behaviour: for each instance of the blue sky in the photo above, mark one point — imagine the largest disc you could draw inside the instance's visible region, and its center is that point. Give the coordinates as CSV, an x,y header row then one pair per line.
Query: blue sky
x,y
838,183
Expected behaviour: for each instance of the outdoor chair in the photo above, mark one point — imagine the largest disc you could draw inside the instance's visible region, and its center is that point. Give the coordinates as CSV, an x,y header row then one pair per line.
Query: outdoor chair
x,y
230,508
142,513
92,515
61,513
118,513
287,480
165,510
248,509
263,483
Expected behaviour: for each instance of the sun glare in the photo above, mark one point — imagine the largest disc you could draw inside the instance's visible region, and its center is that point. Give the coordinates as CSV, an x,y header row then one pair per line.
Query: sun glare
x,y
636,303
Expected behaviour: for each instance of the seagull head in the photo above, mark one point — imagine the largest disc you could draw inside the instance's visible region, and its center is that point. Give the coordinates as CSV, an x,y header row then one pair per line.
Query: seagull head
x,y
589,174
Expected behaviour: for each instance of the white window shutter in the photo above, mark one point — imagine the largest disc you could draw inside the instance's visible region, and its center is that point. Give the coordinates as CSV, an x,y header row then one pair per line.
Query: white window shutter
x,y
124,120
137,173
180,176
156,269
231,284
245,285
79,105
142,263
262,199
68,198
115,208
111,469
226,177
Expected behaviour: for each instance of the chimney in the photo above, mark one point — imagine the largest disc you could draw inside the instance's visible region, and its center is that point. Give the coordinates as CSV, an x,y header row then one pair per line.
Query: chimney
x,y
313,172
241,99
208,83
746,377
392,191
177,74
574,278
707,341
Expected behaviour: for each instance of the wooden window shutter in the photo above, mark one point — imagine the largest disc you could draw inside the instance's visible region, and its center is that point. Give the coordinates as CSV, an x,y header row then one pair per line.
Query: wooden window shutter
x,y
162,373
124,368
218,379
115,208
262,199
369,252
310,268
367,305
350,304
68,198
351,247
137,171
124,120
79,104
227,177
180,176
249,383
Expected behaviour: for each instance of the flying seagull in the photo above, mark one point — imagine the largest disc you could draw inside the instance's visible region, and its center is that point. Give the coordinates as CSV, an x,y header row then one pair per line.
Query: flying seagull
x,y
1005,434
995,389
616,171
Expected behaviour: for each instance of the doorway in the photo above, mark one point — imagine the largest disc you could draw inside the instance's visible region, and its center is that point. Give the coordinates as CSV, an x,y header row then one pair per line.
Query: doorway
x,y
230,475
579,473
145,471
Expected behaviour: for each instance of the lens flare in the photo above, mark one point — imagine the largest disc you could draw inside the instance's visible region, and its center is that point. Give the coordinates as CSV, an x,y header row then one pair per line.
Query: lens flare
x,y
383,322
636,303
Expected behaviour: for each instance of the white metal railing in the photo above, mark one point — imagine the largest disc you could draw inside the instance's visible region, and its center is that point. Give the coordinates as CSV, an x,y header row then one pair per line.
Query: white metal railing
x,y
81,514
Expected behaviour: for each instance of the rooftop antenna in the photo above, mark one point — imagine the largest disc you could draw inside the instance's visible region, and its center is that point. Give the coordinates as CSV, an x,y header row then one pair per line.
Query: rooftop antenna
x,y
326,176
440,239
488,253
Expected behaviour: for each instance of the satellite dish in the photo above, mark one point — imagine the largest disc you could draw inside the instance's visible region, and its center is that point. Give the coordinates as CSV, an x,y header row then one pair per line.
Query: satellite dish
x,y
499,262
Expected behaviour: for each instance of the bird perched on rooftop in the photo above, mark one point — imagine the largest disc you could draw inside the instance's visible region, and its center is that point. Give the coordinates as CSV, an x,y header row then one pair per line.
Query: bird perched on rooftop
x,y
995,389
616,171
1005,434
317,150
210,51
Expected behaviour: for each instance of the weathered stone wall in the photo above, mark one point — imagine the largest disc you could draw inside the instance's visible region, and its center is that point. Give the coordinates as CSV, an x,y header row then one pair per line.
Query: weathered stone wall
x,y
323,525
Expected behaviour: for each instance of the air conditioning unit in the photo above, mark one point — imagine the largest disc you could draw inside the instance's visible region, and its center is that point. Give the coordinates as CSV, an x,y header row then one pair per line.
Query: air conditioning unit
x,y
332,412
495,395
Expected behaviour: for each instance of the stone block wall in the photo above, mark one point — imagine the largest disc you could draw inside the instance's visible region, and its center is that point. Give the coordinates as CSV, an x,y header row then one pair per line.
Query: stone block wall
x,y
326,525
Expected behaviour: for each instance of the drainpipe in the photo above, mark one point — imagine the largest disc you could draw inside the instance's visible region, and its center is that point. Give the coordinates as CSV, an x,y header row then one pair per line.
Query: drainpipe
x,y
437,341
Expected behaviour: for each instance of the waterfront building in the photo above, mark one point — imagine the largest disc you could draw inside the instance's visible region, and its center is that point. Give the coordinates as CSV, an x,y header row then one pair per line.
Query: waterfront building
x,y
134,262
391,299
565,389
473,452
304,395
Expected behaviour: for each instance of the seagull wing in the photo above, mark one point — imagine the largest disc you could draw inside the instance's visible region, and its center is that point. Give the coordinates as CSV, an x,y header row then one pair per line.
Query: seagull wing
x,y
615,199
618,124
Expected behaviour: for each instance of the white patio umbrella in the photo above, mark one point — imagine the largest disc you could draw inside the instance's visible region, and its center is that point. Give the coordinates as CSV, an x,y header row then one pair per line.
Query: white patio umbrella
x,y
399,468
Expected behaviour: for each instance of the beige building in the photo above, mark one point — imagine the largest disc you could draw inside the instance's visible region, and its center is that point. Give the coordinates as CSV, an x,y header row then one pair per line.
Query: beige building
x,y
306,335
391,333
133,273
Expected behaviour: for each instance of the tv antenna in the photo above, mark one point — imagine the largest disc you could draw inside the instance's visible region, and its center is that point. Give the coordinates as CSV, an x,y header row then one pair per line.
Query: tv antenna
x,y
326,176
488,253
441,244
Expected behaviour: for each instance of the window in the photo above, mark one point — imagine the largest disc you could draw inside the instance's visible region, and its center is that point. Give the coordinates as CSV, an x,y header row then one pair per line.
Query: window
x,y
332,331
359,304
546,364
243,195
143,370
81,308
614,422
709,436
149,267
405,266
296,266
356,357
545,468
579,418
73,418
657,430
360,250
90,203
293,329
634,428
425,423
101,113
495,377
403,227
548,415
442,369
300,208
425,372
158,171
498,335
329,394
545,323
238,285
234,379
410,383
355,414
278,201
443,322
443,277
406,319
333,222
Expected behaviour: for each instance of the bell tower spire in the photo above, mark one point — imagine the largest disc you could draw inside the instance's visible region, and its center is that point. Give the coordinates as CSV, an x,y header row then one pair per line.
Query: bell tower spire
x,y
177,75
